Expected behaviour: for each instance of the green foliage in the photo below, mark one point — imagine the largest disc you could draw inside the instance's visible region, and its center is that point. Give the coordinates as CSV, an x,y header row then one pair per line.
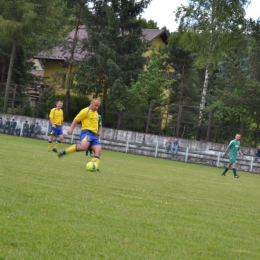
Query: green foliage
x,y
207,31
115,53
18,18
152,88
27,110
150,24
153,82
22,71
77,103
21,24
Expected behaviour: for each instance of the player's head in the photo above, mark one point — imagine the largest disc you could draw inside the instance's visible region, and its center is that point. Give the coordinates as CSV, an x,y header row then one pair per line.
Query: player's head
x,y
237,137
94,104
59,104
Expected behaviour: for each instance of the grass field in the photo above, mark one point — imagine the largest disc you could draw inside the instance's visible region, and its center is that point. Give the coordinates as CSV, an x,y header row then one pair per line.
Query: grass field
x,y
135,208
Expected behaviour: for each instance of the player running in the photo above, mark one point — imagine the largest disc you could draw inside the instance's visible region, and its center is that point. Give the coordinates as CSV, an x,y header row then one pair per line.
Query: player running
x,y
90,132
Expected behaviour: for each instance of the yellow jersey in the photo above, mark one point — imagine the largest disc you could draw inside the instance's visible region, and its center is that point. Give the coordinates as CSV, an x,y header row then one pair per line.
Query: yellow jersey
x,y
88,119
57,116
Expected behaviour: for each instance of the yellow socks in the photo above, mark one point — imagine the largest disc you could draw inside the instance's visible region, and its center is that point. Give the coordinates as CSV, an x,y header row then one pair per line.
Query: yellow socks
x,y
71,149
57,144
49,146
96,160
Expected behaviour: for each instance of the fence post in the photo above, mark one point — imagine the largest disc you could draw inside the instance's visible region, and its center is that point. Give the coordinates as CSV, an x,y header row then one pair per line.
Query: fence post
x,y
251,164
156,149
21,131
217,164
127,144
186,155
72,138
47,130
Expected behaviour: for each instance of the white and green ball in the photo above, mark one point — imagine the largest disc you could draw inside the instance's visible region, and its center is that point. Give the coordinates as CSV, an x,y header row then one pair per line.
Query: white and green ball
x,y
91,166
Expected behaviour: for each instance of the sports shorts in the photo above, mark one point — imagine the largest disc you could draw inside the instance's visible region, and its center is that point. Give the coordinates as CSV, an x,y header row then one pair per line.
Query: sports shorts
x,y
56,131
92,138
232,160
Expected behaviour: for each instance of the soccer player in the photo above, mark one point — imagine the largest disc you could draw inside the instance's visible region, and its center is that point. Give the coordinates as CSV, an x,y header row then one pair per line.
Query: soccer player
x,y
56,120
233,148
90,132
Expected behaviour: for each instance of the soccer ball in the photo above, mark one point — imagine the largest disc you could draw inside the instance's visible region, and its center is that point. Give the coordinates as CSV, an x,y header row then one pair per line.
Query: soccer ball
x,y
91,166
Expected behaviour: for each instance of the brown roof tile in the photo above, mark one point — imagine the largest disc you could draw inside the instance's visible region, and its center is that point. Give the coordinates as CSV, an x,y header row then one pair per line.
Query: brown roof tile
x,y
63,53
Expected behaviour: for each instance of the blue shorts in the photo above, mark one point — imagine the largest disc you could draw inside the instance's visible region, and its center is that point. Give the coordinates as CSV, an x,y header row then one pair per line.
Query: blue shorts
x,y
86,135
56,131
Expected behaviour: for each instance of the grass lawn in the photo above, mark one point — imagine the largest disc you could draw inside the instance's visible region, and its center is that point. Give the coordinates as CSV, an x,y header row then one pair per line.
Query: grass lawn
x,y
136,208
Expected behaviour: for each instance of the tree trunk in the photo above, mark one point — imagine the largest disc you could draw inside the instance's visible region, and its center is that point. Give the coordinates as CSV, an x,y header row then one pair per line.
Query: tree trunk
x,y
69,79
149,117
204,93
119,120
203,100
104,104
9,75
179,121
182,84
205,88
3,70
13,101
209,126
148,120
38,105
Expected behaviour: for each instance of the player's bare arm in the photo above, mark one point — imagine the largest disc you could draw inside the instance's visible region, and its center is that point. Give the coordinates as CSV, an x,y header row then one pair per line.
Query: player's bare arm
x,y
53,125
225,152
73,125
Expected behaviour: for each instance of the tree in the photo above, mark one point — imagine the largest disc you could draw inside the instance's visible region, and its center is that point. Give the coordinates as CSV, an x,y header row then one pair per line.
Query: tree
x,y
76,9
150,24
206,27
115,46
21,22
150,92
185,96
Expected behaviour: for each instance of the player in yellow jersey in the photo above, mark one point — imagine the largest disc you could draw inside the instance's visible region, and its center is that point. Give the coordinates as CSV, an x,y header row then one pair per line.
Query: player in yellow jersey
x,y
90,132
56,122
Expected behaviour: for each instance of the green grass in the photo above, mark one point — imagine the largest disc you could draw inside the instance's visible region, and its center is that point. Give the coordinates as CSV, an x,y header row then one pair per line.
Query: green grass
x,y
135,208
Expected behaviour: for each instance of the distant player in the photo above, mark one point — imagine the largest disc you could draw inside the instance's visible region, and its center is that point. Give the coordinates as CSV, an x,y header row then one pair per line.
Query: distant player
x,y
233,148
90,132
56,121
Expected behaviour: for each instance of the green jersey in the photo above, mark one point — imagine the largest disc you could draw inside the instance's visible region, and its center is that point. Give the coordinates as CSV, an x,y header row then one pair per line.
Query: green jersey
x,y
234,147
99,121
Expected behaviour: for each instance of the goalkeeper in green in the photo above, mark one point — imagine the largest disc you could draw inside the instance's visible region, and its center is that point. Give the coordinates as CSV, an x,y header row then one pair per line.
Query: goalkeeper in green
x,y
233,148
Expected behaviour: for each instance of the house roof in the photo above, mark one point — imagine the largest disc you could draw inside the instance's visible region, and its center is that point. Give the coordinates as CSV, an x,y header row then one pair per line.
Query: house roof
x,y
151,34
63,53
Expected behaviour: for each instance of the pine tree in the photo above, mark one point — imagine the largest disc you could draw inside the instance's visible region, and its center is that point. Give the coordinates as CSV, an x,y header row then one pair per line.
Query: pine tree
x,y
21,22
115,46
